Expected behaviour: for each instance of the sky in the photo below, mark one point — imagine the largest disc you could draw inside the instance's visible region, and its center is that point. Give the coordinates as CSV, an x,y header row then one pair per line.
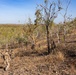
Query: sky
x,y
18,11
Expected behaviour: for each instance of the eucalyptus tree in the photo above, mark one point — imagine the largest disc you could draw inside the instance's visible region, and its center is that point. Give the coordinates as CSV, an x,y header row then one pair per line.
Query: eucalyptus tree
x,y
66,18
38,17
49,11
30,33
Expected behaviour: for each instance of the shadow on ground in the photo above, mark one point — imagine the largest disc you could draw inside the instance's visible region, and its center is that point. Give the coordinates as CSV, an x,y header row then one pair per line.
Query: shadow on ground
x,y
31,53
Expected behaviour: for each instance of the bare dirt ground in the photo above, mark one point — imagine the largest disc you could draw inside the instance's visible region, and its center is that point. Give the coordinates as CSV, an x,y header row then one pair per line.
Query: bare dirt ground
x,y
62,61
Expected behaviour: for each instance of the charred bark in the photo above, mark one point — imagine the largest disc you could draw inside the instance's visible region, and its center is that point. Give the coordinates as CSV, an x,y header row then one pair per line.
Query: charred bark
x,y
48,42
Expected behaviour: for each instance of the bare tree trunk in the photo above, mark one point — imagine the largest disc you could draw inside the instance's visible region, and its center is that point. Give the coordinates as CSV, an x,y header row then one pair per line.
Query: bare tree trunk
x,y
48,42
53,45
58,37
6,47
64,35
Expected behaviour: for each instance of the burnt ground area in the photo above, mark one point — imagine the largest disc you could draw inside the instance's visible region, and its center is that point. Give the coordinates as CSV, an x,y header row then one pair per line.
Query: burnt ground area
x,y
62,61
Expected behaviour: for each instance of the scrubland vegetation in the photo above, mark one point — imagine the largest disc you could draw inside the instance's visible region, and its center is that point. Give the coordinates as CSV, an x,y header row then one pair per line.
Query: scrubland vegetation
x,y
43,48
27,47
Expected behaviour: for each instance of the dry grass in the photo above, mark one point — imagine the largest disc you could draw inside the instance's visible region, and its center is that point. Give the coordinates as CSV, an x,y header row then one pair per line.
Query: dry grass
x,y
27,61
60,56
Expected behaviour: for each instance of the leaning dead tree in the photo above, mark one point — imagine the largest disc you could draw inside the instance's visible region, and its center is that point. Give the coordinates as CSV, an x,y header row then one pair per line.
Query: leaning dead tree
x,y
49,11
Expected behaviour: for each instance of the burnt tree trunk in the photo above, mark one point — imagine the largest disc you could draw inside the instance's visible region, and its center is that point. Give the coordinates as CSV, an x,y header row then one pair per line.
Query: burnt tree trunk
x,y
48,42
53,45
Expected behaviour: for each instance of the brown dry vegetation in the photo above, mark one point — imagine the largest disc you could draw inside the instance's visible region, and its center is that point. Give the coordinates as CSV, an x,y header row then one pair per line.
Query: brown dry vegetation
x,y
27,61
